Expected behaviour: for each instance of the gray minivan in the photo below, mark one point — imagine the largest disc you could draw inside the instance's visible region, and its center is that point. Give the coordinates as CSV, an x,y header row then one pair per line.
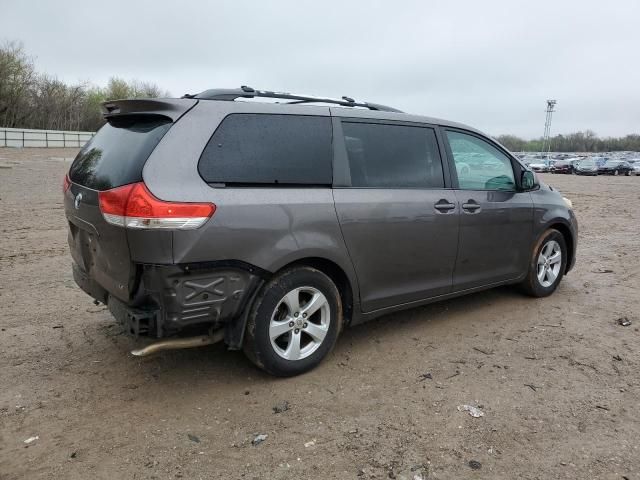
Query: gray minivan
x,y
275,225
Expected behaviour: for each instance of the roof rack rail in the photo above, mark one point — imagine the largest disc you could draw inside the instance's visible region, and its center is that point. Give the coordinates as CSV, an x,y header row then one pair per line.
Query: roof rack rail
x,y
230,94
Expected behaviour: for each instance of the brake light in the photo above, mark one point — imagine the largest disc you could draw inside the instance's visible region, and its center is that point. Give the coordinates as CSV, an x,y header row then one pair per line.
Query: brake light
x,y
134,206
66,184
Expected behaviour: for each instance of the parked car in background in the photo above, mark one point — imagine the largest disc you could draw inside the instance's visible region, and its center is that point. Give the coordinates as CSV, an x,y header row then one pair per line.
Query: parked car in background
x,y
563,166
272,226
574,163
615,167
539,167
586,167
599,160
635,168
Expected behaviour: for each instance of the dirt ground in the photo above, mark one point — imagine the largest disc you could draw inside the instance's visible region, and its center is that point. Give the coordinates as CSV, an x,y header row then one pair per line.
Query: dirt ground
x,y
558,379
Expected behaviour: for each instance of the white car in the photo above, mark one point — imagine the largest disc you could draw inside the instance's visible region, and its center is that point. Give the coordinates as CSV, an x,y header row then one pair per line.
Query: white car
x,y
539,167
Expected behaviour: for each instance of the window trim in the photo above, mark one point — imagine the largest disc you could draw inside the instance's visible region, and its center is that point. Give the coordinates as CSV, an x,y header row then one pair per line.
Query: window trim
x,y
341,167
262,184
515,164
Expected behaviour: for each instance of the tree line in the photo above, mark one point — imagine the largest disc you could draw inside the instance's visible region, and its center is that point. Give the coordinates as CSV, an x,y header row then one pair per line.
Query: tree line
x,y
586,141
30,99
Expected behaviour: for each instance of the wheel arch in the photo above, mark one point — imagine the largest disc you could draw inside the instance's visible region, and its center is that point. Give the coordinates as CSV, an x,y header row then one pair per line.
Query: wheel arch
x,y
568,240
337,276
347,287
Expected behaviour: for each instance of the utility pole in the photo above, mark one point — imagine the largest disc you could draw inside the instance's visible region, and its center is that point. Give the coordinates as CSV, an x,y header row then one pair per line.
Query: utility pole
x,y
546,140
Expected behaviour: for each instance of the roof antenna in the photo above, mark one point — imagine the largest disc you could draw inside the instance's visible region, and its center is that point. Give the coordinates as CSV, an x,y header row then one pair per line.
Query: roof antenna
x,y
349,99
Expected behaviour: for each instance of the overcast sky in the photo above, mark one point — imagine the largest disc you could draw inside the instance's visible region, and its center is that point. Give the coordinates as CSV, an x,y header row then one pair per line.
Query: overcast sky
x,y
491,64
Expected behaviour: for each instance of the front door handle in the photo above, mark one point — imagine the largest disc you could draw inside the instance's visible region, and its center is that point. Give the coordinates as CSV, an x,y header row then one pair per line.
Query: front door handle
x,y
471,206
444,206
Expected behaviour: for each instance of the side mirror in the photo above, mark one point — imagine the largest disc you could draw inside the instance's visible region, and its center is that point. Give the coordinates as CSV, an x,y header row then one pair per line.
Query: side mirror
x,y
528,180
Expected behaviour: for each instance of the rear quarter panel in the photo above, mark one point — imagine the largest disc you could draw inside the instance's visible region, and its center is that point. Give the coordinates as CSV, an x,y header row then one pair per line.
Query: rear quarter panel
x,y
266,227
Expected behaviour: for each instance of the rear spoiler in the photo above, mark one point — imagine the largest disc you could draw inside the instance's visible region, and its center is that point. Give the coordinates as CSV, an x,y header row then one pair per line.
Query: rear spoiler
x,y
172,108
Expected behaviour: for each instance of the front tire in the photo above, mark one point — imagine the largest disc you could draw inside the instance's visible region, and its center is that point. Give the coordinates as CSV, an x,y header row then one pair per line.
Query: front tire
x,y
547,265
294,322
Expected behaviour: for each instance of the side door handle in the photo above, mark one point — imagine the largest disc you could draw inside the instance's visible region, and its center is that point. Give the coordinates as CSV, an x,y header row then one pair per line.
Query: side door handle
x,y
471,206
444,206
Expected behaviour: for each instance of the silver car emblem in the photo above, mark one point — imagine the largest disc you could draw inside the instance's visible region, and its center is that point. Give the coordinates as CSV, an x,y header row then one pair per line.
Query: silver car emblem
x,y
77,201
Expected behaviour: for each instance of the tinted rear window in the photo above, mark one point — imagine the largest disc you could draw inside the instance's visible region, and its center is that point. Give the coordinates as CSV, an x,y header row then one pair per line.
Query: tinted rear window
x,y
392,156
116,155
269,149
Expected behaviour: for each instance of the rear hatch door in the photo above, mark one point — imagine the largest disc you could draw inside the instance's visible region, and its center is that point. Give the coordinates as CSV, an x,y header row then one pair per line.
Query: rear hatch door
x,y
114,157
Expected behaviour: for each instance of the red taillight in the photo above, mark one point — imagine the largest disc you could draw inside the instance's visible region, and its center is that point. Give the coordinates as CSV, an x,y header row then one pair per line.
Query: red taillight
x,y
134,206
66,184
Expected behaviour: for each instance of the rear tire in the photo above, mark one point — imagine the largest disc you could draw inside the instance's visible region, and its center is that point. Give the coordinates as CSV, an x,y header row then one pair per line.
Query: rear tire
x,y
547,264
294,322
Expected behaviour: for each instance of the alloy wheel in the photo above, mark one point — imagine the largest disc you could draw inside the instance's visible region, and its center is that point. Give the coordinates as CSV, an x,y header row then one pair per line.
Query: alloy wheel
x,y
299,323
549,263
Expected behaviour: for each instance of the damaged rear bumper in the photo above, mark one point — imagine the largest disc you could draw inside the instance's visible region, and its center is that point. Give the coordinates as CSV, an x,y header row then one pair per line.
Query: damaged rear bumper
x,y
171,298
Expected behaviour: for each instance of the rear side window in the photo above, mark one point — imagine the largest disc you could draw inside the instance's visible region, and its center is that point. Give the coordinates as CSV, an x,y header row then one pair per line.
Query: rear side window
x,y
116,155
392,156
269,149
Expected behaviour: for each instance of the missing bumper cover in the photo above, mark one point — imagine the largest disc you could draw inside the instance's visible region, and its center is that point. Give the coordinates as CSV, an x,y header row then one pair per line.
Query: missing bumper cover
x,y
194,296
136,322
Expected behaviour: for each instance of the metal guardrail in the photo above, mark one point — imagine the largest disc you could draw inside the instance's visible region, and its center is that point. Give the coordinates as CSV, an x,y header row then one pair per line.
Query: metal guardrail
x,y
16,137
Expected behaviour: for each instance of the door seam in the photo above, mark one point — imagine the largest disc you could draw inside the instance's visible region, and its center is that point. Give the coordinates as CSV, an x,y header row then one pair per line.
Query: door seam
x,y
346,247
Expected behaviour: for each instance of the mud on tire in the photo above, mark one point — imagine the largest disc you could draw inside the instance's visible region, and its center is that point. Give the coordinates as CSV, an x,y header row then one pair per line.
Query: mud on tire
x,y
533,284
280,338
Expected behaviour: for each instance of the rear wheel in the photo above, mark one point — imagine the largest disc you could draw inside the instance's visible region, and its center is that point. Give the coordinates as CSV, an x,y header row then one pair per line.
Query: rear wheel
x,y
547,264
616,172
294,322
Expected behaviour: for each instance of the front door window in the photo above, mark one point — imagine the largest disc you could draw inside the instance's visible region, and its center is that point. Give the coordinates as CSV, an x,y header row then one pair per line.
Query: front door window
x,y
479,165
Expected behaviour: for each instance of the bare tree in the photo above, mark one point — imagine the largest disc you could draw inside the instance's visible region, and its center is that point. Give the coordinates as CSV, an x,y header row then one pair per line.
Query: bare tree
x,y
32,100
17,79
